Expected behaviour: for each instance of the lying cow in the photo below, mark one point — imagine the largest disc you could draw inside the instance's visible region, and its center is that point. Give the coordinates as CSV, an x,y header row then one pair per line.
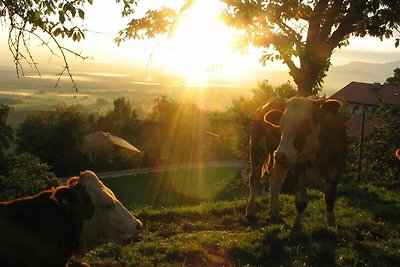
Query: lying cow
x,y
48,228
313,146
264,140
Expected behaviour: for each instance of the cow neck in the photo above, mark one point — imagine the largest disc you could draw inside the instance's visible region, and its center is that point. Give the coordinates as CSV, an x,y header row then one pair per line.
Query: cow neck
x,y
68,234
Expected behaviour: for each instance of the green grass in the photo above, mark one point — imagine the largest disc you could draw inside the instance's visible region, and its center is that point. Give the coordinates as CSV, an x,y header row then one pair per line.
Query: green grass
x,y
212,231
177,188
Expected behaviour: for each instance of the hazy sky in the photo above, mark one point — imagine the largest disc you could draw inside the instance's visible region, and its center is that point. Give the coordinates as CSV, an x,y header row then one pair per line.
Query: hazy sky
x,y
195,52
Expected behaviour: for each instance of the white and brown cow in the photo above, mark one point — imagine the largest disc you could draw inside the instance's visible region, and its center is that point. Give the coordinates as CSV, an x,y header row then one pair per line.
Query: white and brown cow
x,y
313,146
48,228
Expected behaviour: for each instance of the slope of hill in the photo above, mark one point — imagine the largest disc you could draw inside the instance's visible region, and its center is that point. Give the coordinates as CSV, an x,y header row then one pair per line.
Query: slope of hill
x,y
216,233
339,76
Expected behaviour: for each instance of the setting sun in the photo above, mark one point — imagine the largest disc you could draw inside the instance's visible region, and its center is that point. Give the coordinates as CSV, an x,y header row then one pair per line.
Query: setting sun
x,y
201,44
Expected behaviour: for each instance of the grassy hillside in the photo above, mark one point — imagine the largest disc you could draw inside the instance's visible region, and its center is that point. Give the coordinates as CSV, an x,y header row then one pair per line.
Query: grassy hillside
x,y
211,230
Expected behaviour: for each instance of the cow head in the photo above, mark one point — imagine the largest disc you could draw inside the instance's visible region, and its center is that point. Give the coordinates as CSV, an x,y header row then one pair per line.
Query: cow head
x,y
300,127
104,218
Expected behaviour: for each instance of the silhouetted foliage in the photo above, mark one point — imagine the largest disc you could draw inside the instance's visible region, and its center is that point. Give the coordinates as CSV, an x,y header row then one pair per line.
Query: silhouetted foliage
x,y
6,132
395,79
57,137
6,137
379,161
121,121
179,129
28,176
306,32
111,158
45,20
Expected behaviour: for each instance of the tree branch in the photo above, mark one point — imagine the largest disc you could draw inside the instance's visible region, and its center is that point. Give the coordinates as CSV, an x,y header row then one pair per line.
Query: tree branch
x,y
314,21
330,20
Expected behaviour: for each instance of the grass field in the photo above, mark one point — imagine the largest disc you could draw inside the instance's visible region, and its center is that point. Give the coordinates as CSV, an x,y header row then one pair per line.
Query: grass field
x,y
175,188
196,218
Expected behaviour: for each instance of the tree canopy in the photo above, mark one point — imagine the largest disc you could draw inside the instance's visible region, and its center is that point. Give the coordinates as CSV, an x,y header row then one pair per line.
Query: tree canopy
x,y
45,20
56,136
6,132
303,34
395,79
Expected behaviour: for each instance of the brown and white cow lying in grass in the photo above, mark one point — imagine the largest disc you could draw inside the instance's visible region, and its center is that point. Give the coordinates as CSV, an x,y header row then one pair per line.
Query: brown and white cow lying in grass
x,y
313,146
48,228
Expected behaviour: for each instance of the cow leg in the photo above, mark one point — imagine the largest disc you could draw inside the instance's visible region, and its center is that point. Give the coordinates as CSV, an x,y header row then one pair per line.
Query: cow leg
x,y
254,184
276,177
330,198
301,197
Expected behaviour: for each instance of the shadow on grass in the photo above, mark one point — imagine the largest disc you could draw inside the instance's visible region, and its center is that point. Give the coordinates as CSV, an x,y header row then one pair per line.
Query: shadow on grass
x,y
363,198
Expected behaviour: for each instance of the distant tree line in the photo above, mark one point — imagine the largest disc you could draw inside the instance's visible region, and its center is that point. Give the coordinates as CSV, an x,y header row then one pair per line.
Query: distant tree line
x,y
51,143
172,132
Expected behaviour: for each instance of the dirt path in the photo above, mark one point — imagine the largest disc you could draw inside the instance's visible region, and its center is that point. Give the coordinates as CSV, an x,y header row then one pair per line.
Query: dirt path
x,y
230,163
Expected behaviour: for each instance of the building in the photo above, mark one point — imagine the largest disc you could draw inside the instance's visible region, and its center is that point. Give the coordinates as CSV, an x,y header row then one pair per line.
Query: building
x,y
365,96
100,139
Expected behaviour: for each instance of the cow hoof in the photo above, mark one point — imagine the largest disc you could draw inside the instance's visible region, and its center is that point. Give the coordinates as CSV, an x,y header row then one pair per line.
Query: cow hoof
x,y
251,210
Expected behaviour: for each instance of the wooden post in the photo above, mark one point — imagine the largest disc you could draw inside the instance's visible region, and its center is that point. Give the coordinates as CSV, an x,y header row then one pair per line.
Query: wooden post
x,y
360,149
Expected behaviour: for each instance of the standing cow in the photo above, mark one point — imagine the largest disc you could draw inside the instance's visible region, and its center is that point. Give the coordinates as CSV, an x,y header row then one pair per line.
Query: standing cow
x,y
48,228
264,140
313,146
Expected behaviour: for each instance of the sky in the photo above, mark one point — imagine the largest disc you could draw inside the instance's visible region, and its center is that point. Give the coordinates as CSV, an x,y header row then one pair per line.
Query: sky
x,y
202,48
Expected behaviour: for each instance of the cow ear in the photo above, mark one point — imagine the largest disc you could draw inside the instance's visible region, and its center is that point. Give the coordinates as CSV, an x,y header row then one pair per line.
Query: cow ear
x,y
398,153
273,117
326,109
65,197
331,106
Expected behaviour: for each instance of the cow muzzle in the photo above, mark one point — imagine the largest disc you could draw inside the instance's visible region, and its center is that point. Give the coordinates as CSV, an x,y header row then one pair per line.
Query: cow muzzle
x,y
138,230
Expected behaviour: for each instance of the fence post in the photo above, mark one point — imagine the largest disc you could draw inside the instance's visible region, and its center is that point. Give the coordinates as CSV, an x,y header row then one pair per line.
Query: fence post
x,y
360,149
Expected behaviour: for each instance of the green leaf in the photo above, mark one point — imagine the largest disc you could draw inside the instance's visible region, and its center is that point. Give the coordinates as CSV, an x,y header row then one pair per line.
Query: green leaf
x,y
72,10
57,32
81,14
61,17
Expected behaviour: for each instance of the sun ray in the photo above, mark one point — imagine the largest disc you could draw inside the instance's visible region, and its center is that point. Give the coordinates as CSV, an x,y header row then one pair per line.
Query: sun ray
x,y
201,44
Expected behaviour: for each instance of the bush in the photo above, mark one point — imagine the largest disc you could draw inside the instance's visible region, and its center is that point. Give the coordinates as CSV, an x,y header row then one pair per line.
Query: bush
x,y
27,177
379,160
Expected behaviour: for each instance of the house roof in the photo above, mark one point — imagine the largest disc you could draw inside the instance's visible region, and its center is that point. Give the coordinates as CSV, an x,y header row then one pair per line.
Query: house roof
x,y
369,93
99,139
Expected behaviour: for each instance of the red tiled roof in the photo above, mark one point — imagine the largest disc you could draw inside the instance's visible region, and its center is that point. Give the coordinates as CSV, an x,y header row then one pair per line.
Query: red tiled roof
x,y
369,93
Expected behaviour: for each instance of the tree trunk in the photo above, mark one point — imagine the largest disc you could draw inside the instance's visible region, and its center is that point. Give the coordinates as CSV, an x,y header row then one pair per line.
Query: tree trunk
x,y
305,81
313,66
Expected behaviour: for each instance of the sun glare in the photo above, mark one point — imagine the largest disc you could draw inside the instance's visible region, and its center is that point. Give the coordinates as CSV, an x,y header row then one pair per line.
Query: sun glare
x,y
201,44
